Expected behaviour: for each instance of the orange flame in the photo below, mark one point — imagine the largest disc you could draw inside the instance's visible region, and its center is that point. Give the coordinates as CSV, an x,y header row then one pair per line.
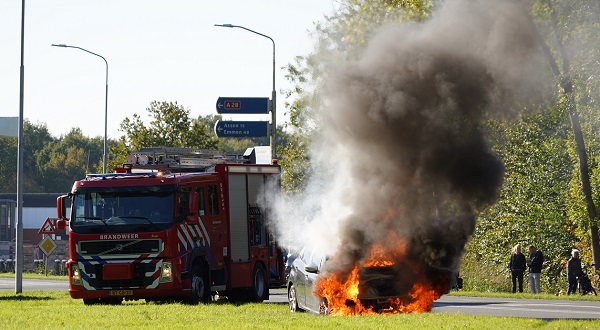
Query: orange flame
x,y
339,295
342,295
422,296
382,257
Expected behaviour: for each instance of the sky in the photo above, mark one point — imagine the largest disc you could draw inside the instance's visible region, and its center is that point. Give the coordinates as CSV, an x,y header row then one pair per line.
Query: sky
x,y
156,50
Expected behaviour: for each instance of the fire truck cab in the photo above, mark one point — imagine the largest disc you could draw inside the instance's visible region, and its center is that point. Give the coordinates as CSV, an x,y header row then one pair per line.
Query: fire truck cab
x,y
173,223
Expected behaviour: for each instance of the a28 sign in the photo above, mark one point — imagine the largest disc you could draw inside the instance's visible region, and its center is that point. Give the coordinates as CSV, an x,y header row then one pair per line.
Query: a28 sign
x,y
243,105
232,105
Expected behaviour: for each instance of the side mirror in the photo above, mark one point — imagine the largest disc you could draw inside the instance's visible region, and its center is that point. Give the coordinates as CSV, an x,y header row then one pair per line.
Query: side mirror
x,y
312,268
61,224
61,206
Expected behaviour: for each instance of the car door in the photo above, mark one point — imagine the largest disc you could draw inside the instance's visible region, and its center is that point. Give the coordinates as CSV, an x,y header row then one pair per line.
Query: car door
x,y
316,262
300,276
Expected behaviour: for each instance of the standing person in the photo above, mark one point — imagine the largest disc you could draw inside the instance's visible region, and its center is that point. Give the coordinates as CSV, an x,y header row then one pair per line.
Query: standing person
x,y
517,267
573,271
536,259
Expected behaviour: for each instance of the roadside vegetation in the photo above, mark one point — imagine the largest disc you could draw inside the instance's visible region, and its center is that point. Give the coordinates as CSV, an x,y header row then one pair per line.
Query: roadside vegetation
x,y
56,310
36,276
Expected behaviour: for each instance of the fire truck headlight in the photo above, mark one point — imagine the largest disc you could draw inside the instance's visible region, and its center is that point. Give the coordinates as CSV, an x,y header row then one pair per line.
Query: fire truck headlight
x,y
166,273
76,275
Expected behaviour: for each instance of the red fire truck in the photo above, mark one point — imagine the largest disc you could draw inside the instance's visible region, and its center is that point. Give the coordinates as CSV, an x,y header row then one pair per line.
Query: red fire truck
x,y
173,223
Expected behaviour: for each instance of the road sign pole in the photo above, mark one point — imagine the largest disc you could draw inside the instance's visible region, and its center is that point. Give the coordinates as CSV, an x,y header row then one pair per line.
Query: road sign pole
x,y
273,110
45,264
273,94
273,130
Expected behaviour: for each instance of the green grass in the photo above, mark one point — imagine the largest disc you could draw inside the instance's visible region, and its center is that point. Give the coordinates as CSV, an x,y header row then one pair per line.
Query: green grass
x,y
37,276
56,310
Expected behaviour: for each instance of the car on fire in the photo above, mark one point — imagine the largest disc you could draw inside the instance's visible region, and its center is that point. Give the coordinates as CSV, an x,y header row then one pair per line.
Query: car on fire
x,y
377,284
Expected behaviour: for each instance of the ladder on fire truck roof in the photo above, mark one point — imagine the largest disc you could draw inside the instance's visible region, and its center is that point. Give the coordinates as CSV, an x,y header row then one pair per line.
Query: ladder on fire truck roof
x,y
182,159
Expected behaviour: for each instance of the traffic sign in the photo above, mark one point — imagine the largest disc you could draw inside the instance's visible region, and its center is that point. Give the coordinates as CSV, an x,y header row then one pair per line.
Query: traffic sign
x,y
47,245
241,128
47,227
243,105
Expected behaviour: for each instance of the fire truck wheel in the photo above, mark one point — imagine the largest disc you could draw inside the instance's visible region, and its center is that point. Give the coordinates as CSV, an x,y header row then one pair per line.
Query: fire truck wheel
x,y
91,301
103,301
260,287
200,286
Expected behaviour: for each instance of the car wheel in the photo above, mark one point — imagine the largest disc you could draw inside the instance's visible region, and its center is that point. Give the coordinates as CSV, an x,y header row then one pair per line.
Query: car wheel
x,y
324,307
293,300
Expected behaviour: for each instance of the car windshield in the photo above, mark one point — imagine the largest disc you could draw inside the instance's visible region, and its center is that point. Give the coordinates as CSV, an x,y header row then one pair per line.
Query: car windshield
x,y
122,210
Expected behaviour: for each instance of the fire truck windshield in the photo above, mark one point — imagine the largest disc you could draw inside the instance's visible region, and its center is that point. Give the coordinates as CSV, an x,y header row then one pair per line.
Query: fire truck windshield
x,y
122,210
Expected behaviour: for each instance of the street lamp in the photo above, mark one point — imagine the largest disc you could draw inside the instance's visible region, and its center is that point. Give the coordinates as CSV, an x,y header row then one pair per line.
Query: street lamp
x,y
273,93
105,99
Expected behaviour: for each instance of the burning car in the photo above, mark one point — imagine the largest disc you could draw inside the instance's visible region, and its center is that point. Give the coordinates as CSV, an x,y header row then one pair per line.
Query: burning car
x,y
373,285
381,283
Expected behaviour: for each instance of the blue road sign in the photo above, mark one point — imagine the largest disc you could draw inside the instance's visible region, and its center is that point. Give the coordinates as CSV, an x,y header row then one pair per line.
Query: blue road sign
x,y
243,105
242,128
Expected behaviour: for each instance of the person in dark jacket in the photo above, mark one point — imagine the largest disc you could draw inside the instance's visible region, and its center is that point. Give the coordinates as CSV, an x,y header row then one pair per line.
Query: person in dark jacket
x,y
536,260
517,267
573,271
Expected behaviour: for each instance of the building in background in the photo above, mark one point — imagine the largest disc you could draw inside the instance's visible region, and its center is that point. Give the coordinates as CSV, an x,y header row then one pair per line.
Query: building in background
x,y
9,126
36,209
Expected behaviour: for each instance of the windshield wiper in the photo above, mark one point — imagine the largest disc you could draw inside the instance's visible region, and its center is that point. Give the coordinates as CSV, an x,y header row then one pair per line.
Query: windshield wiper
x,y
152,224
90,218
95,218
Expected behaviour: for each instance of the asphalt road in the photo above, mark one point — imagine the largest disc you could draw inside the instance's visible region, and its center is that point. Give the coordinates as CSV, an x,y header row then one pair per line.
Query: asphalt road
x,y
528,308
9,284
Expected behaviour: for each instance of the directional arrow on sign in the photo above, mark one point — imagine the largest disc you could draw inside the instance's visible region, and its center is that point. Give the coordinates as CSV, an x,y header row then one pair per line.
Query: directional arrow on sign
x,y
243,105
241,128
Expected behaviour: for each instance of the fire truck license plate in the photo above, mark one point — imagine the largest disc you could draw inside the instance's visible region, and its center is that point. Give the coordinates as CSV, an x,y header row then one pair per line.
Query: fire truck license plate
x,y
120,293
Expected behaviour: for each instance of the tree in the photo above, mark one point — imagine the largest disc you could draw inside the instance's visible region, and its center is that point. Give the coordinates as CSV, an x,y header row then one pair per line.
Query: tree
x,y
65,165
570,23
170,125
533,202
68,159
50,164
8,165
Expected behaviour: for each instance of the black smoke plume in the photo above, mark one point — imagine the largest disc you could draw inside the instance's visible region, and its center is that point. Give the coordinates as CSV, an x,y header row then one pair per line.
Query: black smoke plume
x,y
408,117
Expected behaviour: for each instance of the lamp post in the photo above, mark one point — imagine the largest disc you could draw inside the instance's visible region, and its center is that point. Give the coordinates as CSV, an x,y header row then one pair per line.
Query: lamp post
x,y
105,99
273,93
19,224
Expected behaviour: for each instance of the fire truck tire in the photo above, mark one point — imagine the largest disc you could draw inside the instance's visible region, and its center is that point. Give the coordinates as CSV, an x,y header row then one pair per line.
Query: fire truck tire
x,y
103,301
91,301
260,286
200,286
